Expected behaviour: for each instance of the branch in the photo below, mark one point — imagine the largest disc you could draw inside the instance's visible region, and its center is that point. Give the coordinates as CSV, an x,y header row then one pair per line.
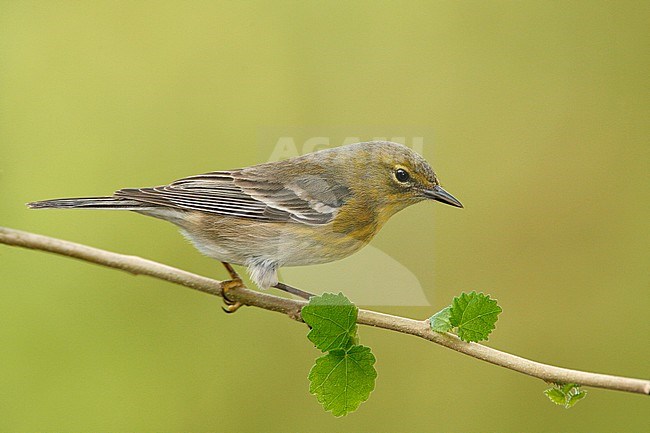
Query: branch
x,y
139,266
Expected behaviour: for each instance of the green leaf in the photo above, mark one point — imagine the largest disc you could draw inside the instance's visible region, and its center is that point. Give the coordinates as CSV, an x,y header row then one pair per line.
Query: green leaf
x,y
566,395
575,398
567,387
343,379
440,321
475,315
555,395
333,321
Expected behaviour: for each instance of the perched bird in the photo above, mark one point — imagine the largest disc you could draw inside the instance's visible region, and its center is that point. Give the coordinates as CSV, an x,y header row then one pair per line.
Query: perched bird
x,y
315,208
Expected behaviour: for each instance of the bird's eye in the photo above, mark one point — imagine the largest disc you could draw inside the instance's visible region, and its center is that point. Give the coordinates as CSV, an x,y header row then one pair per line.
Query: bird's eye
x,y
402,175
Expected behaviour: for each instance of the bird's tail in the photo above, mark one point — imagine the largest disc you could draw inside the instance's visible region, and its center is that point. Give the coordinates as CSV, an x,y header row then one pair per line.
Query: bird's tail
x,y
89,203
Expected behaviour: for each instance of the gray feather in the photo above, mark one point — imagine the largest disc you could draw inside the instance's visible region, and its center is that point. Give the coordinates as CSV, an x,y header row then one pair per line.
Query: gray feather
x,y
89,203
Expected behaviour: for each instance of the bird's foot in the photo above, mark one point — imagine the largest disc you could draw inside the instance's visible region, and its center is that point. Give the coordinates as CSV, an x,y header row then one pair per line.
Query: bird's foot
x,y
231,305
235,282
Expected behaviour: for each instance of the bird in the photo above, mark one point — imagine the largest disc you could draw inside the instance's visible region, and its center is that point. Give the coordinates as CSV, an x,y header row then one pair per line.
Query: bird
x,y
315,208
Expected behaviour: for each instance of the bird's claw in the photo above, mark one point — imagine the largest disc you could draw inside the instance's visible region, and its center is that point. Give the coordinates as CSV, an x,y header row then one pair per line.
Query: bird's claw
x,y
231,305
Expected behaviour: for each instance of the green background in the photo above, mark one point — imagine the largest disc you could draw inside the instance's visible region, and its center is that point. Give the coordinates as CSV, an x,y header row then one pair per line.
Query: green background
x,y
539,113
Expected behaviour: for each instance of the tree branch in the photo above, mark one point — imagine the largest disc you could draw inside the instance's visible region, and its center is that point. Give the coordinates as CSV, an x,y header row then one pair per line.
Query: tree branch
x,y
290,307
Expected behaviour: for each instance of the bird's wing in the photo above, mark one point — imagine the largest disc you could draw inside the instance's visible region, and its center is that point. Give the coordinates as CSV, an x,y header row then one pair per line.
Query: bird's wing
x,y
243,193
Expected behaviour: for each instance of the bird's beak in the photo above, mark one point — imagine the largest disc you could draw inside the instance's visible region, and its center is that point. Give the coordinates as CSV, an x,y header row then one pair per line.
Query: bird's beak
x,y
439,194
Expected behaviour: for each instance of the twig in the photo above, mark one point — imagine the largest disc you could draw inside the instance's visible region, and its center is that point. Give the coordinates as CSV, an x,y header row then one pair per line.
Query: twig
x,y
290,307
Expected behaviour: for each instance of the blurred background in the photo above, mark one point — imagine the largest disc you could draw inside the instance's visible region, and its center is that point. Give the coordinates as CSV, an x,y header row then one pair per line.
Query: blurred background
x,y
534,114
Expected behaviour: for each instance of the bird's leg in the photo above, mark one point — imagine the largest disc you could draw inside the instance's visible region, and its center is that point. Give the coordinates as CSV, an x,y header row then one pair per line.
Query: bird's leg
x,y
233,273
294,291
235,281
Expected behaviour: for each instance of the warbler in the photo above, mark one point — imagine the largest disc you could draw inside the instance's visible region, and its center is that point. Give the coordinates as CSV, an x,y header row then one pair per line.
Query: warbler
x,y
315,208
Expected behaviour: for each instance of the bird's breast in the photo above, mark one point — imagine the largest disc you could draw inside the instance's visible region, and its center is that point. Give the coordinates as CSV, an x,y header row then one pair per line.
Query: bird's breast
x,y
240,240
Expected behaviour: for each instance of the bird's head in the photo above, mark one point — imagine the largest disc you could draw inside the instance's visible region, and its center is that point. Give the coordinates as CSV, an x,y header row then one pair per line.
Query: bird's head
x,y
392,176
